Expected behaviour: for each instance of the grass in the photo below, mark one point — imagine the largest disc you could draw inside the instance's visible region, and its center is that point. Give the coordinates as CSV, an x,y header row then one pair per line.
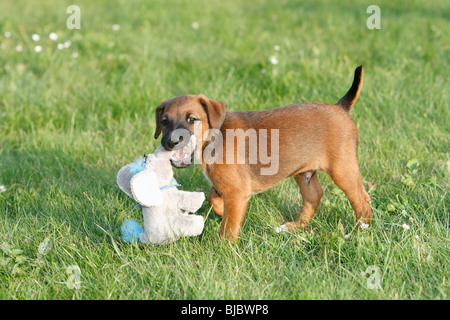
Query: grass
x,y
67,124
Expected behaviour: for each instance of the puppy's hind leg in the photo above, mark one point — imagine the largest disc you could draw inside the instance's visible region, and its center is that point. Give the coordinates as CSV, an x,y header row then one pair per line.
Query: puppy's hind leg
x,y
311,192
348,178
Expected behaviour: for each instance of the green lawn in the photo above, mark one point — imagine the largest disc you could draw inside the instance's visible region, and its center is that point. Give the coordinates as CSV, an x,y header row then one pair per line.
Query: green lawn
x,y
71,117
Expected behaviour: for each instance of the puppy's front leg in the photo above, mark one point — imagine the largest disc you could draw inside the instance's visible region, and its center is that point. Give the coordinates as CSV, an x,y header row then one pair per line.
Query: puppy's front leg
x,y
235,208
216,202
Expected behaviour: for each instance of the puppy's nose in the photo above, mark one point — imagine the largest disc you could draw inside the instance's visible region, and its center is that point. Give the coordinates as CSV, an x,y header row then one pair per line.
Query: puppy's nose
x,y
172,143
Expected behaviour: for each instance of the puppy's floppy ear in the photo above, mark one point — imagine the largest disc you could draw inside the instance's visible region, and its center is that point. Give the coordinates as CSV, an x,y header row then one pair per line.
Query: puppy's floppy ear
x,y
215,110
159,113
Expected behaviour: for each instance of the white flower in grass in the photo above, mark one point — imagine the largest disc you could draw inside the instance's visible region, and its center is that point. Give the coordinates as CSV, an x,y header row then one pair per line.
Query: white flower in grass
x,y
276,47
19,48
347,236
115,27
67,44
364,226
2,188
405,226
36,37
7,34
281,228
38,49
273,60
60,46
53,36
75,55
403,213
195,25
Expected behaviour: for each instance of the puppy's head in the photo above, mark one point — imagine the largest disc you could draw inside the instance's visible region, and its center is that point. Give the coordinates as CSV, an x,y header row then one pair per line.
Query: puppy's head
x,y
183,122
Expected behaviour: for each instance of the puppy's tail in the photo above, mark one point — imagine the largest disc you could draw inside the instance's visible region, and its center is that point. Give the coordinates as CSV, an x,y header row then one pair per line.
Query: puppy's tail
x,y
350,97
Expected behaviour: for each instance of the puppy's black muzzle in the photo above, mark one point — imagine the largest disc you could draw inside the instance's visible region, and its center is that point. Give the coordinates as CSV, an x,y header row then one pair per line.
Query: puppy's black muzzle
x,y
176,138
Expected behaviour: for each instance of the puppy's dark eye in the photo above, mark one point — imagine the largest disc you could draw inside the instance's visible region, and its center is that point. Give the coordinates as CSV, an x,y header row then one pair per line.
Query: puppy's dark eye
x,y
191,120
165,122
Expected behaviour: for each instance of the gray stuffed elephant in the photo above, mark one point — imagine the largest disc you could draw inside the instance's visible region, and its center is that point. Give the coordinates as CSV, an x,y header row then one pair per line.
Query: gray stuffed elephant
x,y
166,209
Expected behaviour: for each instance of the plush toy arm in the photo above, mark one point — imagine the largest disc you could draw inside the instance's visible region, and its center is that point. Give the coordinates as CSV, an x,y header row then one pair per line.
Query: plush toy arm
x,y
189,225
190,201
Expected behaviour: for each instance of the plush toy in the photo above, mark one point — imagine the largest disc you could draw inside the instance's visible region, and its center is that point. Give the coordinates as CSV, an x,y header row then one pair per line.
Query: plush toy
x,y
150,182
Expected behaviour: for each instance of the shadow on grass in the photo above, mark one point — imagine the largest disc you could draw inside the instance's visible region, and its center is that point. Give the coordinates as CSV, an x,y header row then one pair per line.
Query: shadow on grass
x,y
55,187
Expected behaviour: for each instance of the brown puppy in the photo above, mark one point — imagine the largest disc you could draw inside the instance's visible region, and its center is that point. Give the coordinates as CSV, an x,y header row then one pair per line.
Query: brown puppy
x,y
311,136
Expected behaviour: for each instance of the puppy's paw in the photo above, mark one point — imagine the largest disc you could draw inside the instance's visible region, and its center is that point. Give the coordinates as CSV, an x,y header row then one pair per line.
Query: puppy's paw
x,y
289,226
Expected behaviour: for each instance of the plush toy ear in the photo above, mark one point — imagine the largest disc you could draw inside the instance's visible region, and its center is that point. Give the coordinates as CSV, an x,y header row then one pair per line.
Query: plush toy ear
x,y
124,180
144,186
